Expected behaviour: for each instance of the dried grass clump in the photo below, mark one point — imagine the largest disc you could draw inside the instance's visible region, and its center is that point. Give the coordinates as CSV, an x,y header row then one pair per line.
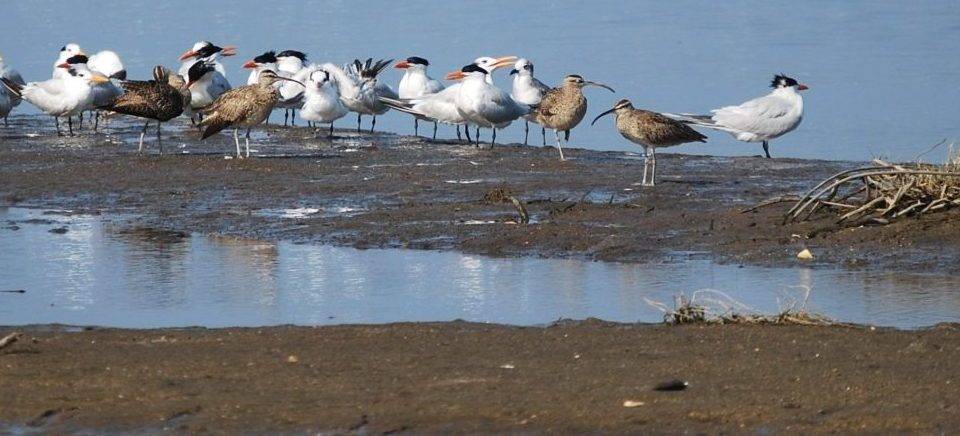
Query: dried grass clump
x,y
883,192
709,306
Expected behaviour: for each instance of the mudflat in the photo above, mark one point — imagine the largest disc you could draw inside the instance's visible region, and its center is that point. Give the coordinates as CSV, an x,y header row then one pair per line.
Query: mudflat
x,y
459,377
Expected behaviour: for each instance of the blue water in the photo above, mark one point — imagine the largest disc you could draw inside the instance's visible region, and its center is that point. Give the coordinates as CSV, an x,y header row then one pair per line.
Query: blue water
x,y
883,75
94,274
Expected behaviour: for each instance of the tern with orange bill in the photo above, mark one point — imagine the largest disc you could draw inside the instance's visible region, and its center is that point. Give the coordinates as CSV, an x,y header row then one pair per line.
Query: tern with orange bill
x,y
213,84
415,83
481,103
63,97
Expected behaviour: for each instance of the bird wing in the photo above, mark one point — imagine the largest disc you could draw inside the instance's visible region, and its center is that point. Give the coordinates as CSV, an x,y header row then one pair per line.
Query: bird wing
x,y
14,76
219,84
433,86
764,115
543,88
549,100
660,129
227,109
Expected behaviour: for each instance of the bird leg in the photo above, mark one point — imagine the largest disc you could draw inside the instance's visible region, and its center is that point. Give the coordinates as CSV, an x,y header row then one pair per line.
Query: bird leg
x,y
159,142
493,140
293,117
416,127
653,172
373,124
559,146
286,115
566,136
236,140
526,131
96,121
434,130
459,138
766,149
646,165
57,120
466,131
543,133
331,131
247,140
142,133
358,122
70,125
80,121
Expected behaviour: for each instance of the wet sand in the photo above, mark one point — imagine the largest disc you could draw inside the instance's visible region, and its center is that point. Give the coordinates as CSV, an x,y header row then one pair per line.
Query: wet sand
x,y
468,378
384,190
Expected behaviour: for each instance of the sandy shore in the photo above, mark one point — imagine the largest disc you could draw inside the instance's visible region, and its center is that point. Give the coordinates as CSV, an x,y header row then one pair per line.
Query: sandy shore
x,y
462,377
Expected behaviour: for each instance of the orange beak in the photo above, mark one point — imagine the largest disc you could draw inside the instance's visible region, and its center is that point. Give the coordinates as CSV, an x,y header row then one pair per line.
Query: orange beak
x,y
503,62
64,65
402,65
250,65
228,51
187,55
801,87
454,75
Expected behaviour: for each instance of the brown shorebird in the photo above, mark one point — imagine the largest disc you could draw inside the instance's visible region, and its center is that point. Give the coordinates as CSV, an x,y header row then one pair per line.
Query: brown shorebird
x,y
245,106
563,107
650,130
162,99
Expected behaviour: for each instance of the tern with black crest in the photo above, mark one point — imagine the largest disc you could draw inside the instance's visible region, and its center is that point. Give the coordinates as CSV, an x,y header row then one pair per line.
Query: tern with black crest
x,y
63,97
213,83
481,103
415,83
761,119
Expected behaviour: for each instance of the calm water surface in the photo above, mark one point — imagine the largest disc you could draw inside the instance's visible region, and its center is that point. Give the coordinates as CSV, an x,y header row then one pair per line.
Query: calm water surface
x,y
96,275
884,75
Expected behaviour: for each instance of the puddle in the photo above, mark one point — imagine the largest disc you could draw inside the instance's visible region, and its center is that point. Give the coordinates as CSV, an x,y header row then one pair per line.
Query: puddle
x,y
99,274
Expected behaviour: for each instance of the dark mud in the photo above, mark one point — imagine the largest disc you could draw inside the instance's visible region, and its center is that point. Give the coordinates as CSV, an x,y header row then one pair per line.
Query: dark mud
x,y
384,190
474,378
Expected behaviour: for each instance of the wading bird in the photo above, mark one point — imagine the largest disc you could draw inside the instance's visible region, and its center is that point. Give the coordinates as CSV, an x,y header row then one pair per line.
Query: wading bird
x,y
8,100
483,104
103,94
321,103
213,84
761,119
529,91
290,64
64,97
650,130
161,99
245,106
265,61
562,108
372,89
415,83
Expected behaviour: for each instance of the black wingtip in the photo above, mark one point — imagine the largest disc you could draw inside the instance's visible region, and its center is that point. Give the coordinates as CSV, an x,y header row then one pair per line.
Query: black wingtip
x,y
14,87
119,75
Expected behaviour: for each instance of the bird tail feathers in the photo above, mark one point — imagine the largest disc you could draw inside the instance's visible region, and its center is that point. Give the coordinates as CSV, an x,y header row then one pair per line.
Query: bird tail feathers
x,y
14,87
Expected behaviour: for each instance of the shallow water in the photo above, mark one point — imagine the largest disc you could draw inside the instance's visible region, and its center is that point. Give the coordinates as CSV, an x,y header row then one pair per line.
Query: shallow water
x,y
97,273
882,74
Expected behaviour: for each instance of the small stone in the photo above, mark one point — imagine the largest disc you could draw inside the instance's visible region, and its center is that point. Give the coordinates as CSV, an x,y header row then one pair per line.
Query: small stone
x,y
507,366
292,359
805,254
631,403
671,385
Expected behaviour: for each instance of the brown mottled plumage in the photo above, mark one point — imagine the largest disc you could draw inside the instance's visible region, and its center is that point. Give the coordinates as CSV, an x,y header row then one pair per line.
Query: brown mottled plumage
x,y
562,108
245,106
650,130
160,99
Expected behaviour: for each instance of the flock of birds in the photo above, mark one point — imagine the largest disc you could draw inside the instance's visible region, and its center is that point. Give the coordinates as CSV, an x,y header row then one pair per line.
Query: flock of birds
x,y
324,93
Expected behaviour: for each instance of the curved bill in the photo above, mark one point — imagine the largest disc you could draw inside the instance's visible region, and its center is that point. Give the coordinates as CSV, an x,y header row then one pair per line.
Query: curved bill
x,y
600,85
601,115
291,80
503,62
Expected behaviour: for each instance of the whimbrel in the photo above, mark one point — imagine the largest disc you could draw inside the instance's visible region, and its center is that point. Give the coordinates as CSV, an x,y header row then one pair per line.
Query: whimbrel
x,y
415,83
761,119
650,130
161,99
245,106
529,91
562,108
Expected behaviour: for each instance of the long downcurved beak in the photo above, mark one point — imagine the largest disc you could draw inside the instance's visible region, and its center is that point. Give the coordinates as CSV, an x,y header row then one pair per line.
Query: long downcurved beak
x,y
454,75
228,51
601,115
600,85
291,80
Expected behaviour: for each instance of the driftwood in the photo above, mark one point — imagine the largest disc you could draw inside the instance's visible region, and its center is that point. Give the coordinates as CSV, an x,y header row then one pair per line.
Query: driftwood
x,y
9,339
880,193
